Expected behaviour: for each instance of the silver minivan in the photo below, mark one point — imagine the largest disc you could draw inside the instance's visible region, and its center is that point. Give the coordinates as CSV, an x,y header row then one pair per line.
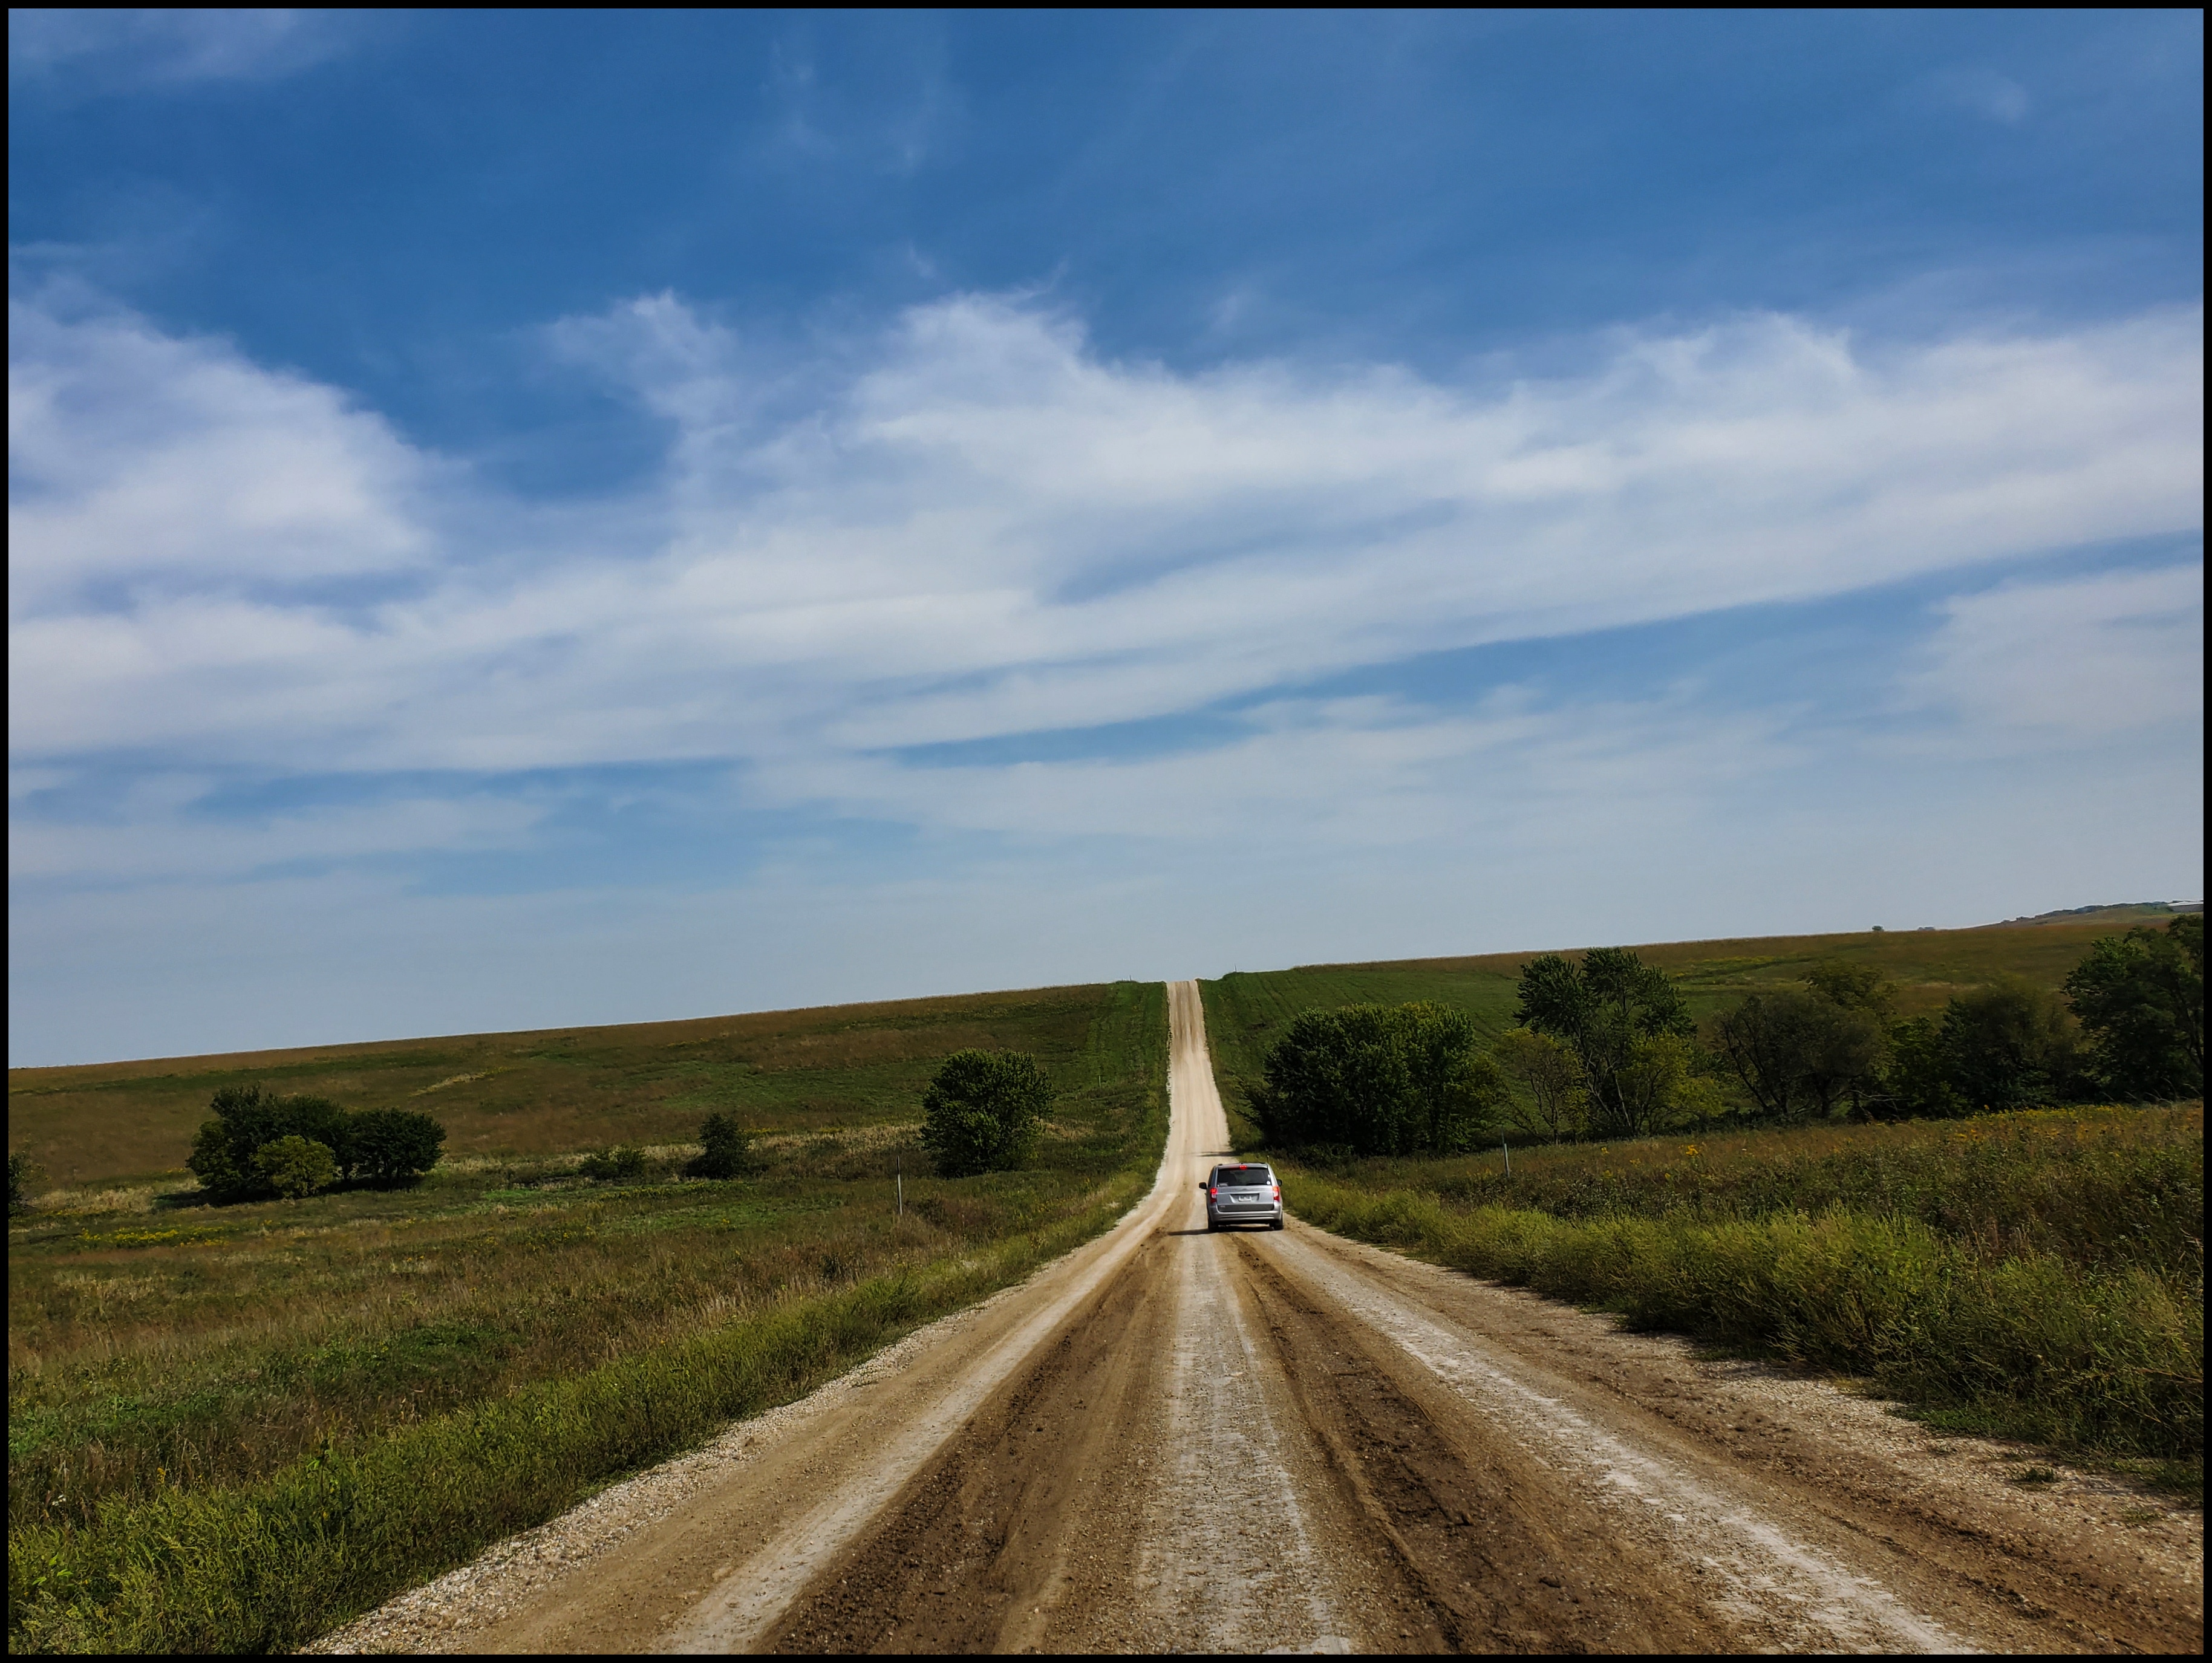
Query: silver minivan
x,y
1242,1194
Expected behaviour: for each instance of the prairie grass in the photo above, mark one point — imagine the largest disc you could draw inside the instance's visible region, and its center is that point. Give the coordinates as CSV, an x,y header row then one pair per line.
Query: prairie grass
x,y
527,1095
232,1429
2035,1275
2105,1186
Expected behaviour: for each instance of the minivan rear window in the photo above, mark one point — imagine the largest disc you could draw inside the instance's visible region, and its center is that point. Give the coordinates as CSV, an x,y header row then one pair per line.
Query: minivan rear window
x,y
1244,1177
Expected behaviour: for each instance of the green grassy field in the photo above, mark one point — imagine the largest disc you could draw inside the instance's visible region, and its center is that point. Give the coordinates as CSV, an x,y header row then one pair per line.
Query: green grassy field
x,y
555,1090
233,1428
1246,1011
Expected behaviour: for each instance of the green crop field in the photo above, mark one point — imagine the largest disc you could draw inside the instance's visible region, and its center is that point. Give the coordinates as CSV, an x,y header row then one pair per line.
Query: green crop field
x,y
233,1428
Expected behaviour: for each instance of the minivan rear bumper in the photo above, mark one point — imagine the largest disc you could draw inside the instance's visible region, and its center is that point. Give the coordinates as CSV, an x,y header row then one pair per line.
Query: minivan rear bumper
x,y
1242,1215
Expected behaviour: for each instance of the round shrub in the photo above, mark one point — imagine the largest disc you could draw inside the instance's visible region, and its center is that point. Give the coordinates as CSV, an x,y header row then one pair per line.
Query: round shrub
x,y
982,1111
295,1166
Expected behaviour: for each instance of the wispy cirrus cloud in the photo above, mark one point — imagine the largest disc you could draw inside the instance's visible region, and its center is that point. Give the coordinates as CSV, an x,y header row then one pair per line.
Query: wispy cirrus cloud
x,y
2081,658
977,526
279,675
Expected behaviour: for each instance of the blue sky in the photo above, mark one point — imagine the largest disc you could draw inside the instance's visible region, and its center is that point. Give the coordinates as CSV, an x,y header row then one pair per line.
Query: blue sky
x,y
527,519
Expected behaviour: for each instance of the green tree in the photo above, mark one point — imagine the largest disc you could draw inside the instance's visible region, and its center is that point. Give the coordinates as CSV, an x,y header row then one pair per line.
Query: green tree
x,y
1607,1010
1661,1086
1337,1077
982,1111
389,1145
1458,1089
21,1172
726,1149
245,1119
1919,1079
385,1145
2010,1045
2141,997
214,1162
1854,987
1799,1053
296,1166
1380,1080
1549,1102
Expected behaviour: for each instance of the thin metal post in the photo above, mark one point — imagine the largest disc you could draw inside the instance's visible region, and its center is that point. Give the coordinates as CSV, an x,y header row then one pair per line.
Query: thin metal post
x,y
900,1165
1508,1157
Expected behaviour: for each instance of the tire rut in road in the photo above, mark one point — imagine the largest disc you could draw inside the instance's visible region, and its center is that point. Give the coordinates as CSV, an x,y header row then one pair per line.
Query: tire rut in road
x,y
1495,1552
984,1533
1146,1485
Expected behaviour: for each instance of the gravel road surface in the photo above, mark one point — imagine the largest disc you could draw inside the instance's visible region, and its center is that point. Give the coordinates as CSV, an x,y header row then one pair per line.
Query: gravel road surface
x,y
1257,1441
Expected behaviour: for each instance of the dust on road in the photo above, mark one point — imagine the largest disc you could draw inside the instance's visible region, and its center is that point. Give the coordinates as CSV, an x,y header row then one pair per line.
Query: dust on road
x,y
1175,1441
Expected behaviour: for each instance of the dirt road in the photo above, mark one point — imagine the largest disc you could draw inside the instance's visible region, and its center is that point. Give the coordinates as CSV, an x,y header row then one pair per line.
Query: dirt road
x,y
1174,1441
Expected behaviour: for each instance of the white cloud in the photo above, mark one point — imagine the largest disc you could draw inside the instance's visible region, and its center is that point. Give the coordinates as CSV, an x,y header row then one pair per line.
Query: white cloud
x,y
178,468
128,45
987,528
2085,658
1367,772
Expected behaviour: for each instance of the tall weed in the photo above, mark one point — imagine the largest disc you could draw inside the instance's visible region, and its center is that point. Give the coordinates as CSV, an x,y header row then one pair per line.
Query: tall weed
x,y
2110,1185
2031,1345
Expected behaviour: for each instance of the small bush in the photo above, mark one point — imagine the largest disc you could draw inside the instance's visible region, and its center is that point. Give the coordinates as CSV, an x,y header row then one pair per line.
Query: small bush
x,y
621,1163
389,1145
982,1111
296,1166
20,1174
726,1149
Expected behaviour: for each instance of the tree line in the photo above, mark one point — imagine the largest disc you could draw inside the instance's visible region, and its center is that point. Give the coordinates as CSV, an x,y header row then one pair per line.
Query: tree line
x,y
1607,1047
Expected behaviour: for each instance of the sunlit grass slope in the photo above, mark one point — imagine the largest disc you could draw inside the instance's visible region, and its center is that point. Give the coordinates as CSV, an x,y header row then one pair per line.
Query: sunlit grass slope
x,y
233,1428
556,1090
